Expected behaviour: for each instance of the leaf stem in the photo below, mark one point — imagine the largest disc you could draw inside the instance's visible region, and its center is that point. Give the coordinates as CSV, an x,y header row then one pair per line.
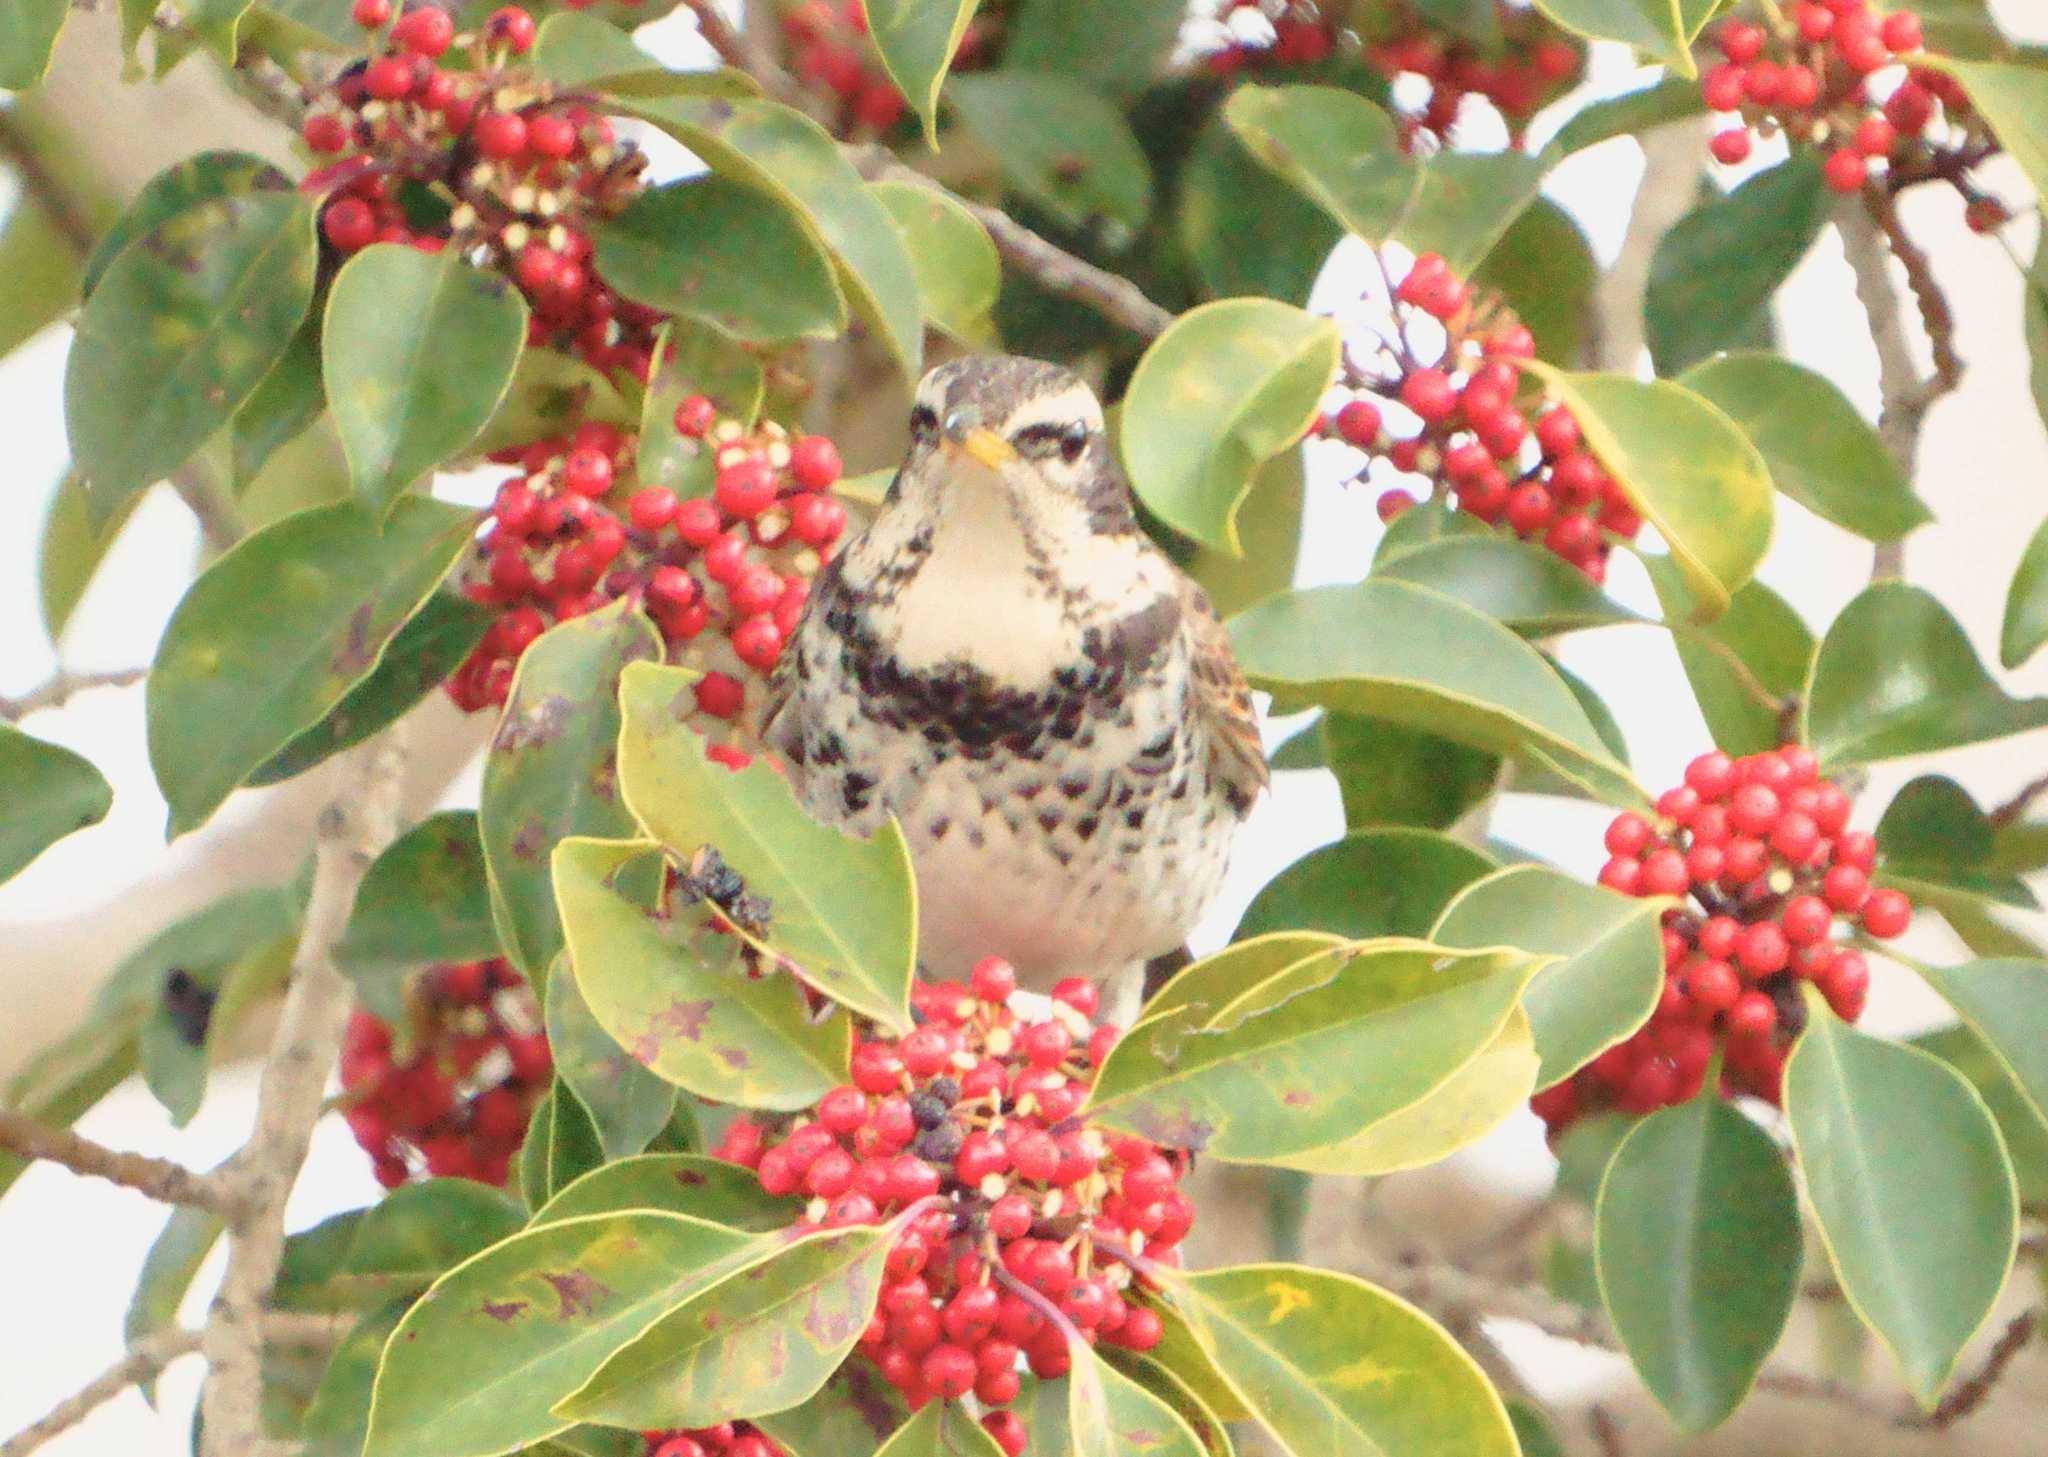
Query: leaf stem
x,y
1744,675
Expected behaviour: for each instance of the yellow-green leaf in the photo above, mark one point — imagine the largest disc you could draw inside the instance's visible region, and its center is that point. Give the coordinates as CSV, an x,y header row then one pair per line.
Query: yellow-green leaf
x,y
49,793
958,272
1663,28
1061,144
675,1183
1111,1415
2025,625
1336,147
917,39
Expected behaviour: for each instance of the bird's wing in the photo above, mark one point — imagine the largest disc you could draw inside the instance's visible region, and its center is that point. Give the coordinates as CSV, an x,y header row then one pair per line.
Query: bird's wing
x,y
1222,702
777,718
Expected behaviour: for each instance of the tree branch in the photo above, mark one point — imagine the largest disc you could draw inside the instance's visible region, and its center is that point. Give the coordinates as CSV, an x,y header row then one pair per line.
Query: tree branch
x,y
360,823
61,686
219,522
1971,1393
145,1360
68,215
160,1179
2015,808
1671,177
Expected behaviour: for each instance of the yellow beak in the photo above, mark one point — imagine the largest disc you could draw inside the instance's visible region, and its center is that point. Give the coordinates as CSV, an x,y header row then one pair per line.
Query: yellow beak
x,y
985,446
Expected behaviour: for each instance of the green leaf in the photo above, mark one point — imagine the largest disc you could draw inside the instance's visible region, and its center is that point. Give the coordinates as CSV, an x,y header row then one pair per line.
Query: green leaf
x,y
958,272
338,1417
475,1367
1466,203
2019,1126
675,1183
1383,882
168,1271
855,1410
627,1104
205,177
1763,632
1110,1415
1664,29
61,1082
552,770
2013,98
1818,449
1217,980
1934,838
772,146
1330,1364
1910,1186
424,900
844,907
1896,675
735,256
1522,585
917,39
1532,1431
417,349
1249,1083
1671,99
1610,969
2034,325
174,1060
179,332
1041,36
1686,466
681,1001
423,653
1697,1239
586,52
1713,275
1336,147
1404,653
551,394
1061,144
763,1338
418,1231
291,397
49,792
230,687
40,265
1226,388
1208,1429
1243,228
2025,626
1391,774
2005,1002
562,1145
692,359
942,1429
1544,267
28,35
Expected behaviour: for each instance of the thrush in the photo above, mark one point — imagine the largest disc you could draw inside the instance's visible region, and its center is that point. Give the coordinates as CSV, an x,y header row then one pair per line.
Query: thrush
x,y
1006,663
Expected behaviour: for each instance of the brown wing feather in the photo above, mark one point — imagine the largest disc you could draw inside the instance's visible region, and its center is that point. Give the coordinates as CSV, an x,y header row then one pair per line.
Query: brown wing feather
x,y
1223,703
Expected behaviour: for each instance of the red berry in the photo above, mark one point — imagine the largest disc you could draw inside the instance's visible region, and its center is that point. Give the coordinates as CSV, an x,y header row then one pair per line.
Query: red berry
x,y
1713,985
1845,888
388,78
993,979
1844,170
324,132
348,224
814,463
502,135
1664,873
1358,423
1806,919
758,642
1740,41
512,27
817,520
745,488
720,696
1008,1430
1857,848
1900,32
1731,146
1721,87
1763,949
1428,392
551,136
1886,913
1078,993
1753,1015
1874,136
427,31
370,14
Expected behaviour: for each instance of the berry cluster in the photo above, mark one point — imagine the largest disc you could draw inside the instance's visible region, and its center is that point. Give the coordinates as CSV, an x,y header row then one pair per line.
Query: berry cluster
x,y
1536,62
1473,436
1033,1216
1759,851
1810,71
727,1439
829,44
723,576
445,139
449,1094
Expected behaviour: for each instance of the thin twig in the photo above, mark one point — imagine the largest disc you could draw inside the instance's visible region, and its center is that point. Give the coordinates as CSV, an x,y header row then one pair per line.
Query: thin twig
x,y
219,522
2015,808
145,1360
67,214
353,829
160,1179
1971,1393
740,51
1606,1431
62,686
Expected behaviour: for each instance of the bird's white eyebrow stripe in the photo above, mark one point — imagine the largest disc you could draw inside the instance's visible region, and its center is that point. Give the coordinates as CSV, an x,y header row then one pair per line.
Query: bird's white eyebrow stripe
x,y
1076,402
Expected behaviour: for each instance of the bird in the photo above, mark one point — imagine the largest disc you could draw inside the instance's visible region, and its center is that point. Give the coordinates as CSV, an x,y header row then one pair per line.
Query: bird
x,y
1006,663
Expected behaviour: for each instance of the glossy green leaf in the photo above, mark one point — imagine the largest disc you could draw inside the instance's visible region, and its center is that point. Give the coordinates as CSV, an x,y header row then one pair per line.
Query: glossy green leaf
x,y
582,50
417,349
1544,268
1466,202
1248,1082
1910,1186
1244,228
2034,327
1229,386
2019,1126
692,359
1109,1414
1061,144
338,1417
852,1412
1376,882
1212,983
40,263
179,332
1041,36
627,1104
2005,1002
763,1338
2013,98
1713,275
1936,843
675,1183
1208,1428
735,256
1820,452
1672,98
418,1231
1269,534
917,39
844,907
476,1366
1391,774
1611,957
1896,675
177,1049
958,272
168,1270
562,1145
202,178
1698,1244
284,406
230,687
428,648
552,770
551,393
1335,146
1327,1363
1404,653
1521,584
1687,467
942,1429
2025,626
1763,632
49,791
424,900
680,1002
1663,29
28,35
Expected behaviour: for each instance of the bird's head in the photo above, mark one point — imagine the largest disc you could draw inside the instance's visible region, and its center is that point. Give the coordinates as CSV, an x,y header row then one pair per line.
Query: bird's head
x,y
1019,433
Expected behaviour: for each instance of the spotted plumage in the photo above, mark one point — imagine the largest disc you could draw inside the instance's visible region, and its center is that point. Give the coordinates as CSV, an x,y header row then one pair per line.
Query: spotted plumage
x,y
1005,663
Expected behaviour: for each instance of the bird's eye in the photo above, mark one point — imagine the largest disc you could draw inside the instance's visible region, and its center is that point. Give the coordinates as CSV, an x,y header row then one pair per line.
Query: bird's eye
x,y
1073,440
1043,442
924,424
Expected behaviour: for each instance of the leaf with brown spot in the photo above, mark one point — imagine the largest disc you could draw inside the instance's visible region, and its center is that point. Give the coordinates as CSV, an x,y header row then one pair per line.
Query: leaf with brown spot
x,y
675,1183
